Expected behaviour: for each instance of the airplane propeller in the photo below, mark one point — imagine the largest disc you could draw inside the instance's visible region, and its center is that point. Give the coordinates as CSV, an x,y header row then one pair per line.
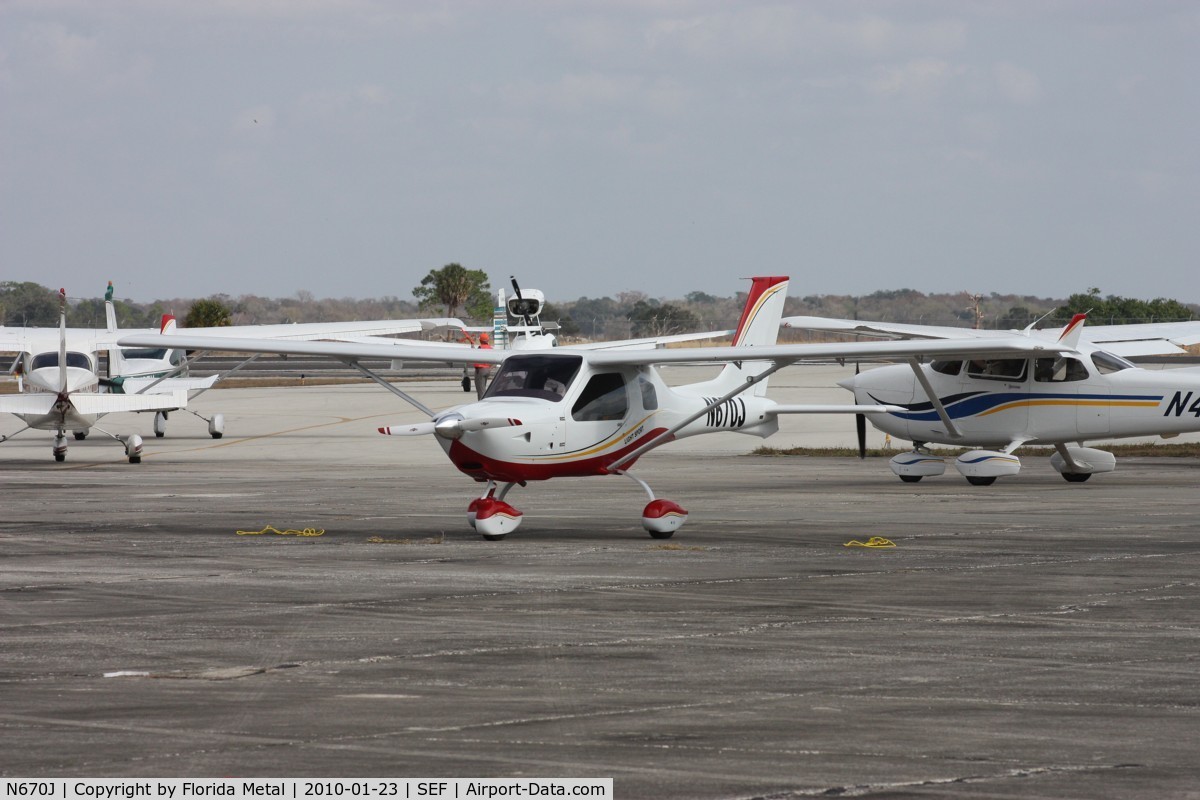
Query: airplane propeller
x,y
450,428
860,423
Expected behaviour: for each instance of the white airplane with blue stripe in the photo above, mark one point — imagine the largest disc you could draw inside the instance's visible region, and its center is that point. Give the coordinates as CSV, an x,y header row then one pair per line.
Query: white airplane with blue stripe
x,y
1087,391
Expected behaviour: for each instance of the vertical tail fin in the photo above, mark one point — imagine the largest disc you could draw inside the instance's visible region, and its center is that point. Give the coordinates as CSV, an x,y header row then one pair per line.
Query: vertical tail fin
x,y
758,327
1071,333
759,324
62,340
168,325
110,312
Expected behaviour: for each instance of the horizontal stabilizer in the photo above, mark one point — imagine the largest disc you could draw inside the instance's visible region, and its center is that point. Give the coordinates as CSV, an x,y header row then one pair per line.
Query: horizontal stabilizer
x,y
167,385
88,403
816,408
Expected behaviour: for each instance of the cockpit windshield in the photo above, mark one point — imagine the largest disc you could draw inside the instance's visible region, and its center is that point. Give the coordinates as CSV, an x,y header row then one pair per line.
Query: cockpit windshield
x,y
50,359
543,376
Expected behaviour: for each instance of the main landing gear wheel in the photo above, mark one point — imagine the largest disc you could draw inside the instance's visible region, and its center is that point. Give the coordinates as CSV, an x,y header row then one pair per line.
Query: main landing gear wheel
x,y
494,518
1076,477
133,449
976,480
80,435
160,424
911,478
661,518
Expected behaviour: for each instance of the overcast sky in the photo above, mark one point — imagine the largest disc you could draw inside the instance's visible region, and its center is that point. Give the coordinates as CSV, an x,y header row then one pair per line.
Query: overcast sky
x,y
347,147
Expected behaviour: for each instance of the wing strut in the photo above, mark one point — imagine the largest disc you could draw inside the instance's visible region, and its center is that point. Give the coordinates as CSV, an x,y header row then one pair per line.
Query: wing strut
x,y
196,357
933,398
424,409
666,435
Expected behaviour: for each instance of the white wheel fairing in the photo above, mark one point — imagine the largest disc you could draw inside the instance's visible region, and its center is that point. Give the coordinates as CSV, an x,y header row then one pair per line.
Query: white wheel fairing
x,y
495,517
917,465
663,516
987,464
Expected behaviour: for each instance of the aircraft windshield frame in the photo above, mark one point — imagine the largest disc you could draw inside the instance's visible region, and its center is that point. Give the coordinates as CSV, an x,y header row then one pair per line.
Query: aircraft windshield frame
x,y
1107,363
50,359
542,376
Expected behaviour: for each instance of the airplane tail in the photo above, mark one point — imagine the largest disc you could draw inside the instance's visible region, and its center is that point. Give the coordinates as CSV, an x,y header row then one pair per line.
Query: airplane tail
x,y
110,312
62,340
168,324
758,327
1071,333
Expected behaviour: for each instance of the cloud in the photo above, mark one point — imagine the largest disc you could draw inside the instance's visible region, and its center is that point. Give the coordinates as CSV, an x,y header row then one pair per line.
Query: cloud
x,y
921,78
585,92
789,32
1017,84
66,51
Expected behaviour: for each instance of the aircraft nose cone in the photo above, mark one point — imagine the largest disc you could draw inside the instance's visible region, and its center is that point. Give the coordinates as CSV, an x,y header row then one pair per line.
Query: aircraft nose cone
x,y
850,384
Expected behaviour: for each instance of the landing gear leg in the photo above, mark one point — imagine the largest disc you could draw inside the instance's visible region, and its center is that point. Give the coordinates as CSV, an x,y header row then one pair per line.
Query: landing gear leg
x,y
660,518
132,444
60,446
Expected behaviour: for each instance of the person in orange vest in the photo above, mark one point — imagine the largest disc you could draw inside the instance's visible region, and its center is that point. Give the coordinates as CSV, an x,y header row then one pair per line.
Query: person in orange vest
x,y
482,371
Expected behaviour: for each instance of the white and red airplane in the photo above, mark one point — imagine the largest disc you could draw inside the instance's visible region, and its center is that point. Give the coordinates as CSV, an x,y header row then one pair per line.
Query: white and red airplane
x,y
61,387
1087,391
574,411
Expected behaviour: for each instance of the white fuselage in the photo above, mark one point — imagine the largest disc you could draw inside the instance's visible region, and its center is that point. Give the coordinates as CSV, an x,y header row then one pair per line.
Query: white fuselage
x,y
573,420
996,402
45,376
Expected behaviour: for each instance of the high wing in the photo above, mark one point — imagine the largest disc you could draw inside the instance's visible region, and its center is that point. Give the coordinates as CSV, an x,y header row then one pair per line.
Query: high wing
x,y
308,331
1161,338
347,351
18,340
652,342
780,355
1150,339
887,330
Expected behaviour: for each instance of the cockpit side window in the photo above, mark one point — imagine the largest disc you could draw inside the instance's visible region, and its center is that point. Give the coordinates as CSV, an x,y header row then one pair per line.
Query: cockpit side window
x,y
1107,363
946,367
543,377
604,398
1059,370
649,393
997,369
152,353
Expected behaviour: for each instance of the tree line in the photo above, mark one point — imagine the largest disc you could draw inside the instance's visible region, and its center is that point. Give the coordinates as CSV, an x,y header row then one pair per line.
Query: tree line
x,y
455,291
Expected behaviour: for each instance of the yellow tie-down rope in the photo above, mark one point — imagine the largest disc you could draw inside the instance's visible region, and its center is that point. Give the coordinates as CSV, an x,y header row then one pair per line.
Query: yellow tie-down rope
x,y
874,541
288,532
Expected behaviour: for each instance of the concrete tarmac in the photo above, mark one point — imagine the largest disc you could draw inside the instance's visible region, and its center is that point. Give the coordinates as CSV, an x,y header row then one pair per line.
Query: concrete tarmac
x,y
1030,639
